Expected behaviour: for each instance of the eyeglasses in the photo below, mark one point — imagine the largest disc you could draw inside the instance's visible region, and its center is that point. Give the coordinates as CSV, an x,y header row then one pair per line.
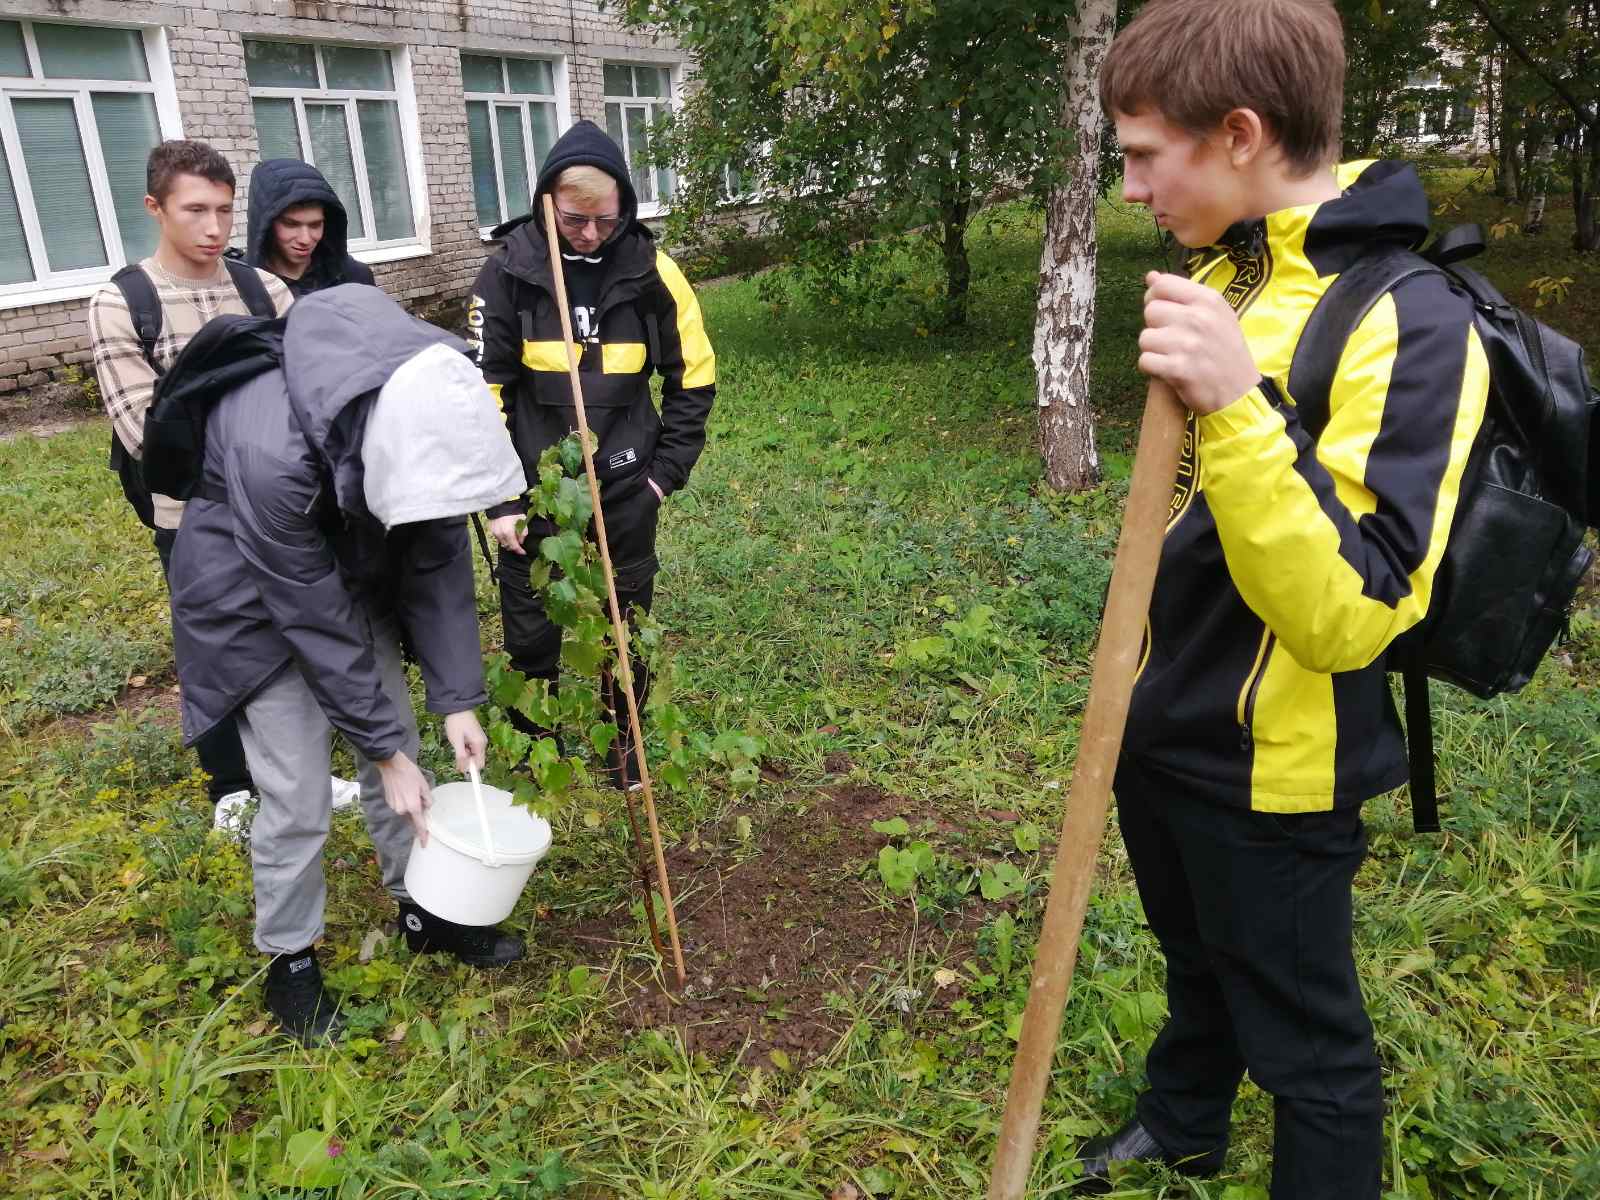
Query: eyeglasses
x,y
575,222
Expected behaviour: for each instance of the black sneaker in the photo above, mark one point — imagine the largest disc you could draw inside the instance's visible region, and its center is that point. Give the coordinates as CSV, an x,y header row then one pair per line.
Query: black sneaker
x,y
1134,1143
475,945
308,1012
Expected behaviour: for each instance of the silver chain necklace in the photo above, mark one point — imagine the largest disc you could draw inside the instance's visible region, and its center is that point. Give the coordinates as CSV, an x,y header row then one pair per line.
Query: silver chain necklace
x,y
202,305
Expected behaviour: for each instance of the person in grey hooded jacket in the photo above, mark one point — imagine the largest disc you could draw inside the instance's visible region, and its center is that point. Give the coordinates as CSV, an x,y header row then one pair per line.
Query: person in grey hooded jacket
x,y
328,529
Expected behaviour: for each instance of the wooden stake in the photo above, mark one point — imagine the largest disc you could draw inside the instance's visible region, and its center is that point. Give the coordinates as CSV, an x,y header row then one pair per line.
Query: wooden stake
x,y
1104,718
619,626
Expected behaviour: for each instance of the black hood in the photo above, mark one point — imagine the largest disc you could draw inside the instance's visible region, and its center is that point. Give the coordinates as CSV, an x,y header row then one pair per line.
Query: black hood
x,y
1385,202
1382,202
584,145
281,183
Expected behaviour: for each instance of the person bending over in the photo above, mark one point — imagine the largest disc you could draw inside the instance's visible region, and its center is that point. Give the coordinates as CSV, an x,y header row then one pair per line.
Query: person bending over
x,y
329,532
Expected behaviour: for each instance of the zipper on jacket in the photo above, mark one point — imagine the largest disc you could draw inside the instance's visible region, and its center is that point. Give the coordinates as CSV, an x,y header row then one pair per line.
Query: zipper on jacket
x,y
1252,686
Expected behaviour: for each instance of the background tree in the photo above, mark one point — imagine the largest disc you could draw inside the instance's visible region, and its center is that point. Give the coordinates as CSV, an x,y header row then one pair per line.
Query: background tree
x,y
1387,42
1551,72
856,122
1063,332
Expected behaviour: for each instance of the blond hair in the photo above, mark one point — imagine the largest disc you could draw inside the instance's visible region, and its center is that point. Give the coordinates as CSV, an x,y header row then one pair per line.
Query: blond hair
x,y
586,184
1195,61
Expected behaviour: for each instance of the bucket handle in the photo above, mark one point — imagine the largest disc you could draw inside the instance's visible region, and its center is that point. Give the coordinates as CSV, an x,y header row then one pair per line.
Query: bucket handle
x,y
490,858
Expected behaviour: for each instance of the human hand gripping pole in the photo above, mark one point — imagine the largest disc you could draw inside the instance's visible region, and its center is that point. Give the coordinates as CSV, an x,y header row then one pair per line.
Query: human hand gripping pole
x,y
619,626
1105,716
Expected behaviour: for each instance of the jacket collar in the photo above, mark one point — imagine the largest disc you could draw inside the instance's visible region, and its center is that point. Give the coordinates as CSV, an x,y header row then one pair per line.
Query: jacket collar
x,y
527,256
1379,202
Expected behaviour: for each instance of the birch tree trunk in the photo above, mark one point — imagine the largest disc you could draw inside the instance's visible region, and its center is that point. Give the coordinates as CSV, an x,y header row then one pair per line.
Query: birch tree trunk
x,y
1063,332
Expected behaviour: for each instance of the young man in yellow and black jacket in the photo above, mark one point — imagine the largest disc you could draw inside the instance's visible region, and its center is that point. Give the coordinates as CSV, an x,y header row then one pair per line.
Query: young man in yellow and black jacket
x,y
633,314
1262,718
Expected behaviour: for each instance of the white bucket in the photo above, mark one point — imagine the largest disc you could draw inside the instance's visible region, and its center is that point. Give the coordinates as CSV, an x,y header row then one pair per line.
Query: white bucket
x,y
481,849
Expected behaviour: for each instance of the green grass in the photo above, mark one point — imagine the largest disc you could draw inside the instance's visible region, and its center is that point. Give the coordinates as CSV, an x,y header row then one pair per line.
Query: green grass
x,y
1513,261
867,487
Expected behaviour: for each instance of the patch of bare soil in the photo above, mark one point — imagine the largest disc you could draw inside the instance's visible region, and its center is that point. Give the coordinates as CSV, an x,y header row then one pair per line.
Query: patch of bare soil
x,y
42,413
152,696
777,935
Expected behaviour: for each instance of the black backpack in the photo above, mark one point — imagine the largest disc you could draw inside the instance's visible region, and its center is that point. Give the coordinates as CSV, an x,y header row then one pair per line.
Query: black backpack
x,y
229,350
144,308
1516,555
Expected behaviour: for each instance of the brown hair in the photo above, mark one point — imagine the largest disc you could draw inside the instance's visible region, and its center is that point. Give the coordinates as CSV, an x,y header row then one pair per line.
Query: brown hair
x,y
1198,60
173,158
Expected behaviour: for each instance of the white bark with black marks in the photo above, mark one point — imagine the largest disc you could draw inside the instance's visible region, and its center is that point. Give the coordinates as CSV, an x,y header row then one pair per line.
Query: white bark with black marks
x,y
1063,334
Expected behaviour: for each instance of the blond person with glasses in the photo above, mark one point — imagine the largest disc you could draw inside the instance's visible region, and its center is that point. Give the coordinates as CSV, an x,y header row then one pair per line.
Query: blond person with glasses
x,y
633,315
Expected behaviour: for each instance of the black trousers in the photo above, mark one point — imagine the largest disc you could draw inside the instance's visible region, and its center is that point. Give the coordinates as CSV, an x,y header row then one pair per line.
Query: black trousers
x,y
533,640
1253,913
220,752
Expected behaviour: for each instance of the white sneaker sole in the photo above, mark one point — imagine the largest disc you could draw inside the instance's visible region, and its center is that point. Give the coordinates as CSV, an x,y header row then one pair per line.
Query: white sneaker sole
x,y
344,792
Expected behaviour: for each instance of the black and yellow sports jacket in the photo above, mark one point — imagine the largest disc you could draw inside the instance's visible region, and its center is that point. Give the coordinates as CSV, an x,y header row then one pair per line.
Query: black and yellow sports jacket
x,y
1290,564
646,320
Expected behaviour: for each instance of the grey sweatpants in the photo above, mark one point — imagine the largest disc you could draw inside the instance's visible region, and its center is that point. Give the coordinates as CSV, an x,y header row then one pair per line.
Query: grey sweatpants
x,y
287,744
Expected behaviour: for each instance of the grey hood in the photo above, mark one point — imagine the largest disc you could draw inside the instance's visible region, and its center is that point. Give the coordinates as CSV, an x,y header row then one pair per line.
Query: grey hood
x,y
261,577
342,345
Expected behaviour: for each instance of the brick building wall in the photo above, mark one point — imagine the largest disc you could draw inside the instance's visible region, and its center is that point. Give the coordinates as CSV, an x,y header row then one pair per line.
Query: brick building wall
x,y
205,42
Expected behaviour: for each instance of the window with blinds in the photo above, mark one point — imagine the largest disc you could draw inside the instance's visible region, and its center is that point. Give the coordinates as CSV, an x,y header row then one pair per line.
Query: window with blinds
x,y
513,119
78,117
636,96
339,109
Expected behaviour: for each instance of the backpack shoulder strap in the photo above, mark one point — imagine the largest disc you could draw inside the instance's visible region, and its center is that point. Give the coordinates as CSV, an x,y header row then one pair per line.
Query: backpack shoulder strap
x,y
251,290
1341,309
1419,751
144,309
1456,244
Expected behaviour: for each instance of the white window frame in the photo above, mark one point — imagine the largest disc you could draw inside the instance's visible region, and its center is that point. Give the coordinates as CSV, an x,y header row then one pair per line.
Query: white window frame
x,y
561,97
726,194
369,248
1430,131
50,286
674,70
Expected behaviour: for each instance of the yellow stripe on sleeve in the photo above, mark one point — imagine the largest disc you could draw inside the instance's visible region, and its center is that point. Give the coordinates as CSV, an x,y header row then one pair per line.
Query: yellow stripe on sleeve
x,y
699,362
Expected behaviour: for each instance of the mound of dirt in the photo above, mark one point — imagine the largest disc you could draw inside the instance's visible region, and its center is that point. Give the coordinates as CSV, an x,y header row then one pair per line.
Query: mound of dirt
x,y
780,930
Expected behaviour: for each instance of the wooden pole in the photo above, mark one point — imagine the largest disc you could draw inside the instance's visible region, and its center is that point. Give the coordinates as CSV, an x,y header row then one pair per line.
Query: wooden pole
x,y
619,626
1105,716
